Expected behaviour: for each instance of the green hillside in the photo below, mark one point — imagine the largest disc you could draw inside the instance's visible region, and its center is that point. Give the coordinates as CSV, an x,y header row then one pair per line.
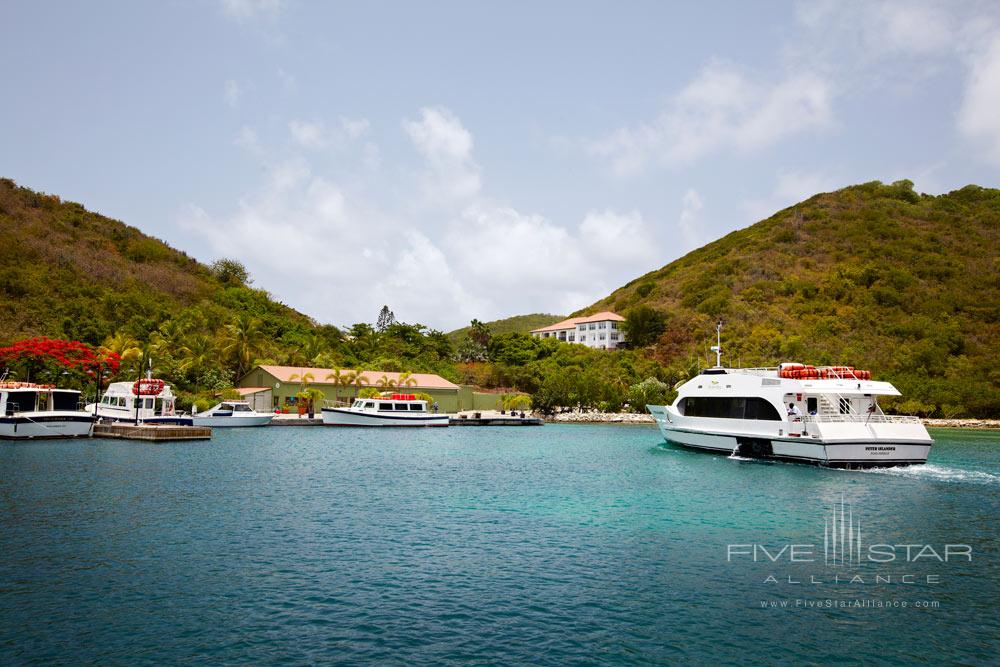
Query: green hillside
x,y
515,324
875,276
66,272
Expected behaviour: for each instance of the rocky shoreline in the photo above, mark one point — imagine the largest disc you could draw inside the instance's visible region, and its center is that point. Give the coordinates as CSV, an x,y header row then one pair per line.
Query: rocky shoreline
x,y
637,418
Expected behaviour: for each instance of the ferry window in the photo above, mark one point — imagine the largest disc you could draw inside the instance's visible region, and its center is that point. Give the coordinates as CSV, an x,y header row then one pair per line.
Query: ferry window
x,y
758,408
121,401
416,406
811,405
728,408
149,404
64,400
23,401
370,404
385,406
105,400
241,408
401,406
845,406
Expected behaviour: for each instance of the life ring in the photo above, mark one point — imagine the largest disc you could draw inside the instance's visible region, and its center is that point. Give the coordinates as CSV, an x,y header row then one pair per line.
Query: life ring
x,y
148,387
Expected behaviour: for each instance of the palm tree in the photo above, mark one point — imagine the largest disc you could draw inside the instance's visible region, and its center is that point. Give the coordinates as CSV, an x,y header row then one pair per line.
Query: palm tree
x,y
241,341
306,393
196,354
338,379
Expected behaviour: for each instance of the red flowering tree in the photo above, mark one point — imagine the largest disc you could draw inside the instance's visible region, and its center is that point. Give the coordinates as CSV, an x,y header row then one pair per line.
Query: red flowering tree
x,y
48,359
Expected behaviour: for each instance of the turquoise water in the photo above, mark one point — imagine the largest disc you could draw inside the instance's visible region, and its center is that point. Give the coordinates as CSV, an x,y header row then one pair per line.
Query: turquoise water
x,y
552,545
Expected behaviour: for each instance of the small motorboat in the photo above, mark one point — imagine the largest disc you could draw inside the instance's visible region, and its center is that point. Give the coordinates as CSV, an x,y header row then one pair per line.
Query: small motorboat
x,y
394,410
232,413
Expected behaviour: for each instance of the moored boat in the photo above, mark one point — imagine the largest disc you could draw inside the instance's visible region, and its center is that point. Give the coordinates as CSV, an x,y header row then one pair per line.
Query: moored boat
x,y
148,401
394,410
232,414
32,410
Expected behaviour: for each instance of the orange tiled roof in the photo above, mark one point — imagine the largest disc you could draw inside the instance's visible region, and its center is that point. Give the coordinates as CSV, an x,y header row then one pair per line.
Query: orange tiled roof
x,y
572,322
319,376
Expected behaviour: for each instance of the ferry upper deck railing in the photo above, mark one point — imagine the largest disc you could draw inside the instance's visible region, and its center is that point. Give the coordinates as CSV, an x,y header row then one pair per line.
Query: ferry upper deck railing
x,y
861,419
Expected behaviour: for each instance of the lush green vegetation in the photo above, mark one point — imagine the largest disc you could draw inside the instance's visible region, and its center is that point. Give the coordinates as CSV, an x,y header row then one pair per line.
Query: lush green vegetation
x,y
876,276
515,324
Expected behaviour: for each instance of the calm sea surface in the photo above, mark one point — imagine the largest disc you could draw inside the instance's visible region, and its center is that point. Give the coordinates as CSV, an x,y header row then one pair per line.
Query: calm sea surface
x,y
552,545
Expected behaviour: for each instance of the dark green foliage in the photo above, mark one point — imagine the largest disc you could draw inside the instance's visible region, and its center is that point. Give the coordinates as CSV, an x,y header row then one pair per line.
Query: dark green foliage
x,y
643,325
231,273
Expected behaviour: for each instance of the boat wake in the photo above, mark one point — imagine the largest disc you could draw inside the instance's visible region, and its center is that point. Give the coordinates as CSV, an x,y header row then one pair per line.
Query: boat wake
x,y
939,474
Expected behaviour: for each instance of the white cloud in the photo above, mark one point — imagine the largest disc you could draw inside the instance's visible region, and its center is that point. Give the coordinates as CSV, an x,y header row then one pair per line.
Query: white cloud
x,y
722,109
689,222
233,92
790,188
315,135
527,263
338,253
451,174
248,140
248,10
979,115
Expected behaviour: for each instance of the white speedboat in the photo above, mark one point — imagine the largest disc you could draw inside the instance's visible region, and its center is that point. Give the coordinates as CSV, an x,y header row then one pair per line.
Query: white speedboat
x,y
828,416
41,411
232,413
150,401
396,410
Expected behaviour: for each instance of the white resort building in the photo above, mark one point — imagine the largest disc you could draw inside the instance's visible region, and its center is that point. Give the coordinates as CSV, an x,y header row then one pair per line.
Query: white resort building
x,y
602,331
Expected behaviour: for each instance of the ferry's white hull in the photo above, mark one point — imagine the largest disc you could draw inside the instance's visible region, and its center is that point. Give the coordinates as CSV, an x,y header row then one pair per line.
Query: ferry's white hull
x,y
31,425
126,415
233,422
854,445
347,417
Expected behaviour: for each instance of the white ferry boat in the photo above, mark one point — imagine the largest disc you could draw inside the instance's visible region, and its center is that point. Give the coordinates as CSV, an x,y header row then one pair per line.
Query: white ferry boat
x,y
232,413
396,410
827,416
41,411
149,400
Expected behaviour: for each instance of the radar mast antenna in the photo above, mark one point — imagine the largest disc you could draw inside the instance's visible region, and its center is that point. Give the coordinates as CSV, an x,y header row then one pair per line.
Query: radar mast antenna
x,y
717,348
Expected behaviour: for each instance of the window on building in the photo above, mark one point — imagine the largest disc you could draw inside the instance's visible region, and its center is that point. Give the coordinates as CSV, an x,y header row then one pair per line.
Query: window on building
x,y
602,325
614,336
583,339
592,326
572,338
614,325
602,336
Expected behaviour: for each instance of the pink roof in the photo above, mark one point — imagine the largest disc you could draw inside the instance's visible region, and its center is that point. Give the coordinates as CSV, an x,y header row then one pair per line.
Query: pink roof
x,y
246,391
319,376
571,323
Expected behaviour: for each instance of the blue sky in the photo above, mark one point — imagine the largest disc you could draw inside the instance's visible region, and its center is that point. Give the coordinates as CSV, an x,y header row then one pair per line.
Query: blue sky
x,y
457,160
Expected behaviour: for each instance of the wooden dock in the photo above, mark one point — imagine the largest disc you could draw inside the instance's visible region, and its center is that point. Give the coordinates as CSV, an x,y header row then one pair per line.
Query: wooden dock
x,y
152,432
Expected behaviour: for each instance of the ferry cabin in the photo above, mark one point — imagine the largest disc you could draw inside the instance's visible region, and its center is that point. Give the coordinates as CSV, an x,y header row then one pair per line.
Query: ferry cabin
x,y
41,411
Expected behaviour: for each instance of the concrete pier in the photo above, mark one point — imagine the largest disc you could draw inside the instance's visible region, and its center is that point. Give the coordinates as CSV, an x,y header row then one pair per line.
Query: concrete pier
x,y
152,432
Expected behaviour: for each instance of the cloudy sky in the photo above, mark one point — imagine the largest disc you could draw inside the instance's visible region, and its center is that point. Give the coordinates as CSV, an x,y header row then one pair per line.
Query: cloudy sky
x,y
457,160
